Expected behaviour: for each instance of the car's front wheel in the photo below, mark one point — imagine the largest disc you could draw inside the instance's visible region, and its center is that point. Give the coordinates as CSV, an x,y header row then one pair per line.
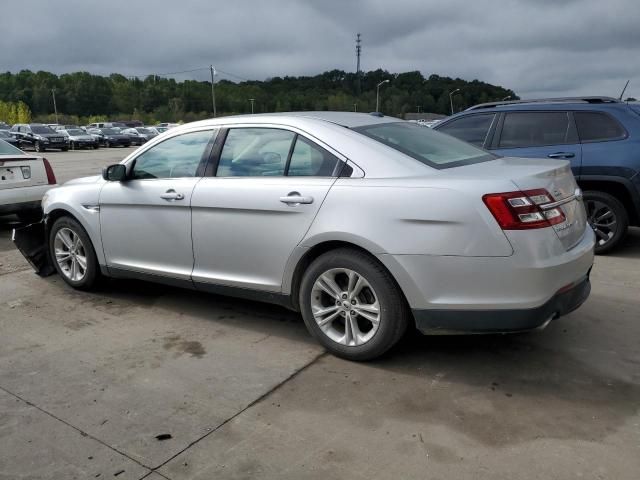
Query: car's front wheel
x,y
72,254
352,305
608,218
38,147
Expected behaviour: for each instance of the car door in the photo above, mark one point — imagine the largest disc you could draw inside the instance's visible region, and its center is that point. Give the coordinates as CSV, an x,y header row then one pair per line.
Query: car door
x,y
145,221
539,134
248,218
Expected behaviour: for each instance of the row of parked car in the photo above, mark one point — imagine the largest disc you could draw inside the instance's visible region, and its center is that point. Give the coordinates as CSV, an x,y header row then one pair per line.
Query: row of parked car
x,y
43,137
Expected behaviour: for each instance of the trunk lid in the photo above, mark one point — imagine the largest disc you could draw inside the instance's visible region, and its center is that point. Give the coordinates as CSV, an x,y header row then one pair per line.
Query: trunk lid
x,y
21,171
552,175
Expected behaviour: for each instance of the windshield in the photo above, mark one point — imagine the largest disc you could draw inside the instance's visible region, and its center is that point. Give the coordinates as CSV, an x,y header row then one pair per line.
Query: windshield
x,y
143,130
75,131
425,145
110,131
41,129
6,149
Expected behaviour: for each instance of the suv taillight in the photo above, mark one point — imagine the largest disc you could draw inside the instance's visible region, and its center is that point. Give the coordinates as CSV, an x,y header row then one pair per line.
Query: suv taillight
x,y
522,210
51,178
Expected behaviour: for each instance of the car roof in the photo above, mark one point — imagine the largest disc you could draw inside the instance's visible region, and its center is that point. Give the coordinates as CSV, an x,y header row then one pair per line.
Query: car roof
x,y
345,119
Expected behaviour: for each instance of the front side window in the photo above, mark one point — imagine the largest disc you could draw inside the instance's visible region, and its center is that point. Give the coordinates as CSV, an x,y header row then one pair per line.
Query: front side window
x,y
472,129
311,160
176,157
255,152
425,144
531,129
596,126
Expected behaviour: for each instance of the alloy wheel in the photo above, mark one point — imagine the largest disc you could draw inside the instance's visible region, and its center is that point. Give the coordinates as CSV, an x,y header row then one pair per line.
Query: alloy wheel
x,y
71,255
602,219
345,307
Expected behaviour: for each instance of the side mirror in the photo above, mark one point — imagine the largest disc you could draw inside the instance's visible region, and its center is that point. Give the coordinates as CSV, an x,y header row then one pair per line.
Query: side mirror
x,y
114,173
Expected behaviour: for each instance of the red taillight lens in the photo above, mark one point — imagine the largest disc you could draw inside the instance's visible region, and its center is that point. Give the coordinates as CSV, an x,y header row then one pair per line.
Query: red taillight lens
x,y
51,178
522,210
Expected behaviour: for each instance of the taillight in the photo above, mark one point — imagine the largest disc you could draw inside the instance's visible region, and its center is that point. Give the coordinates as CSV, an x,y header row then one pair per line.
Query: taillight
x,y
51,178
523,210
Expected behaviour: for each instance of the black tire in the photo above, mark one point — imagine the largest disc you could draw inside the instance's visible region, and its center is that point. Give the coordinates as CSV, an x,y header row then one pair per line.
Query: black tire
x,y
65,149
92,272
394,313
38,147
30,216
107,144
610,231
96,146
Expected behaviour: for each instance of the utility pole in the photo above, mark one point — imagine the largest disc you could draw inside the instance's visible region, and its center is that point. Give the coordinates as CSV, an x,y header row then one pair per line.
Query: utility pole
x,y
213,91
355,107
418,107
252,100
55,108
358,51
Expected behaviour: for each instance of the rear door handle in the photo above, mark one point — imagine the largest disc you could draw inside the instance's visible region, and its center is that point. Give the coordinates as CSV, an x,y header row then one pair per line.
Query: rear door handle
x,y
294,198
171,195
562,155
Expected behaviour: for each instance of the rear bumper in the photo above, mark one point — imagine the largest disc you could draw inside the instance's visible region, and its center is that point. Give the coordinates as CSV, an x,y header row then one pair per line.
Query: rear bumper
x,y
502,321
22,198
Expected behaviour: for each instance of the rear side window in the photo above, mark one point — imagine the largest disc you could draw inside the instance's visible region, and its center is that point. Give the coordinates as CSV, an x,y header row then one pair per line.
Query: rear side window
x,y
531,129
255,152
472,129
594,126
310,160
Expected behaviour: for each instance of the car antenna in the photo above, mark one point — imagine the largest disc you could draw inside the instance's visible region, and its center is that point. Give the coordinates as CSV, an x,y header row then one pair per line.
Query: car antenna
x,y
624,89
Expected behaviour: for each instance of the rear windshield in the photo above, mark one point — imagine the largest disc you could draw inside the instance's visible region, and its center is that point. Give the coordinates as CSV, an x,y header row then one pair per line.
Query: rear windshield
x,y
7,149
41,129
110,131
425,145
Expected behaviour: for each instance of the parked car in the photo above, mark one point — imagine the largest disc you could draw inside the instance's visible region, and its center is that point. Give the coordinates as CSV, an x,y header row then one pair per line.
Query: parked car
x,y
111,137
146,133
134,136
160,129
80,139
39,136
24,179
600,136
106,125
364,229
10,139
4,126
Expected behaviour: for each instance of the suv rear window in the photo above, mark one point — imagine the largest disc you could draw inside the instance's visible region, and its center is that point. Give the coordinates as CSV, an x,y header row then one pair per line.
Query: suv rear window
x,y
425,145
594,126
531,129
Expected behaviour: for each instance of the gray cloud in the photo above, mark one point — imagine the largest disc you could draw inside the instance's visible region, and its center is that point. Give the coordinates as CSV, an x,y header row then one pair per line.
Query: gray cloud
x,y
537,48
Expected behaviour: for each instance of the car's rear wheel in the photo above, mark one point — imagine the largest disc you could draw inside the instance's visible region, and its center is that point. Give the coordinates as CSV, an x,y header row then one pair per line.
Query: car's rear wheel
x,y
608,218
107,144
72,254
352,305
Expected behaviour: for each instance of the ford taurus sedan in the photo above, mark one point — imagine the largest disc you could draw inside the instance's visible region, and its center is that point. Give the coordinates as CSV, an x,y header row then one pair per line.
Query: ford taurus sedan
x,y
365,224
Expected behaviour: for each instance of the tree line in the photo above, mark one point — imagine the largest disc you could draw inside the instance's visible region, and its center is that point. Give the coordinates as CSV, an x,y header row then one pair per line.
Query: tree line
x,y
82,97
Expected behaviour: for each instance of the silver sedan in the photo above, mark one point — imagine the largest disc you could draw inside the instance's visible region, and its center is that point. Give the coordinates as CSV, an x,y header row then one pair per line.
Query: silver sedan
x,y
365,224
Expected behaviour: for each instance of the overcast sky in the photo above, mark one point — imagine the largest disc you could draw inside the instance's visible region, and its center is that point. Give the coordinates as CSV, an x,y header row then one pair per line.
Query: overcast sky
x,y
535,47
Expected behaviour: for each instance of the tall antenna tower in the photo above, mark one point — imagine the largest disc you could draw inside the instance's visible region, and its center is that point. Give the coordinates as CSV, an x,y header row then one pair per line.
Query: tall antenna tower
x,y
358,51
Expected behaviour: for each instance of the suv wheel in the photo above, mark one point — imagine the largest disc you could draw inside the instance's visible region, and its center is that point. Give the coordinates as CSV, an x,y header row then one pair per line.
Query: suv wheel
x,y
72,254
608,218
38,147
352,306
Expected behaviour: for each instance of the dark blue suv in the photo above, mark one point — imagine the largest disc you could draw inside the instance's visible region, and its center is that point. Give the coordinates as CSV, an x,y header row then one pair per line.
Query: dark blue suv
x,y
600,136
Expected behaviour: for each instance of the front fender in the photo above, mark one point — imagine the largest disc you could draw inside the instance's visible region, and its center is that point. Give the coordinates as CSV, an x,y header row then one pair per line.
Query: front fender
x,y
81,201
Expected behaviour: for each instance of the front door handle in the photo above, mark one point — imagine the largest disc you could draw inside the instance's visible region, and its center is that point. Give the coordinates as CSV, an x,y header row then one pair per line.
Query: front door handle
x,y
562,155
171,195
294,198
